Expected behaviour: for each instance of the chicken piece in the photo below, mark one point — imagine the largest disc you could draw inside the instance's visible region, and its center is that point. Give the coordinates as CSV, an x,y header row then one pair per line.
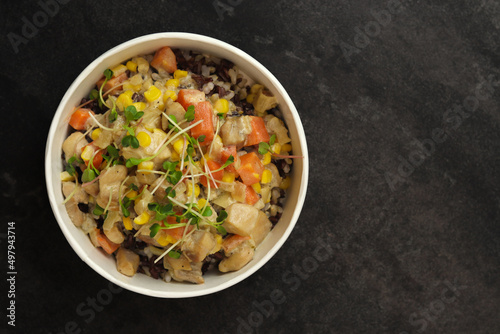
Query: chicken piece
x,y
105,139
127,262
73,145
263,101
182,263
143,152
198,245
194,275
238,258
109,184
151,118
235,130
141,204
111,229
79,196
239,192
174,109
246,220
92,189
88,224
275,126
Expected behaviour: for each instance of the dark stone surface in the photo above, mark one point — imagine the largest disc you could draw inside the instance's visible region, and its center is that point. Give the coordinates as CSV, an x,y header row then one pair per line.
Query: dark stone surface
x,y
397,249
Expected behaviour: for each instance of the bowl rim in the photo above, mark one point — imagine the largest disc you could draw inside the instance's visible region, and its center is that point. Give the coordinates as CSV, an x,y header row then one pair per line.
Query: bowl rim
x,y
49,163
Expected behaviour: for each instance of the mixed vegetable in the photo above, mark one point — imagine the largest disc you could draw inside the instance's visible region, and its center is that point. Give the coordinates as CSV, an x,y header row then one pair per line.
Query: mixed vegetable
x,y
176,164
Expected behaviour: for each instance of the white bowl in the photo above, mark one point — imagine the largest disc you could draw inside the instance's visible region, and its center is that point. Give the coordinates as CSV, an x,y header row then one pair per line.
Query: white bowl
x,y
105,265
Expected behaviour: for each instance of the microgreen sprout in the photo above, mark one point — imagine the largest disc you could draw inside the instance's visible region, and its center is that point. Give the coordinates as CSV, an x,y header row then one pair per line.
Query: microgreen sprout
x,y
108,74
189,115
98,210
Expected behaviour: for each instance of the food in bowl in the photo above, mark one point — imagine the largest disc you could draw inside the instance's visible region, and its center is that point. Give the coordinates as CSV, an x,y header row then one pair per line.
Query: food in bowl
x,y
176,163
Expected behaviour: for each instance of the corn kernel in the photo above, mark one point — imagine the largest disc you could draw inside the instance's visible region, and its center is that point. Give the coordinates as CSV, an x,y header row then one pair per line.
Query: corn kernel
x,y
256,187
87,153
142,219
139,106
256,175
172,83
222,106
146,165
175,156
179,146
131,66
65,176
164,239
169,94
96,133
267,176
250,98
190,190
118,70
180,74
218,244
91,199
276,148
124,100
144,139
267,159
132,194
152,94
127,223
201,202
228,177
285,183
286,148
255,88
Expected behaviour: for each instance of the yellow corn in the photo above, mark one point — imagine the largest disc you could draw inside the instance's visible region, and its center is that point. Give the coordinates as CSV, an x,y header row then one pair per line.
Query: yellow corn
x,y
276,148
96,133
87,153
118,70
201,202
146,165
124,100
255,88
175,156
172,83
144,139
180,74
132,194
152,94
256,175
142,219
267,176
256,187
139,106
127,223
218,244
164,239
65,176
228,177
190,190
286,148
250,98
222,106
179,146
131,66
267,159
169,94
285,183
91,199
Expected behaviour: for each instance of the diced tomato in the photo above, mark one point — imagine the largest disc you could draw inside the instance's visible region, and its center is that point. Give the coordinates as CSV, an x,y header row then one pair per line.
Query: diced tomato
x,y
212,165
203,111
251,168
114,81
79,118
259,133
188,97
107,244
251,197
165,59
226,152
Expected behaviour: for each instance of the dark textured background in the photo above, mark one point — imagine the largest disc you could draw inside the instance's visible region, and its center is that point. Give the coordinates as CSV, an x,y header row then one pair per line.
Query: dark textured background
x,y
420,256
